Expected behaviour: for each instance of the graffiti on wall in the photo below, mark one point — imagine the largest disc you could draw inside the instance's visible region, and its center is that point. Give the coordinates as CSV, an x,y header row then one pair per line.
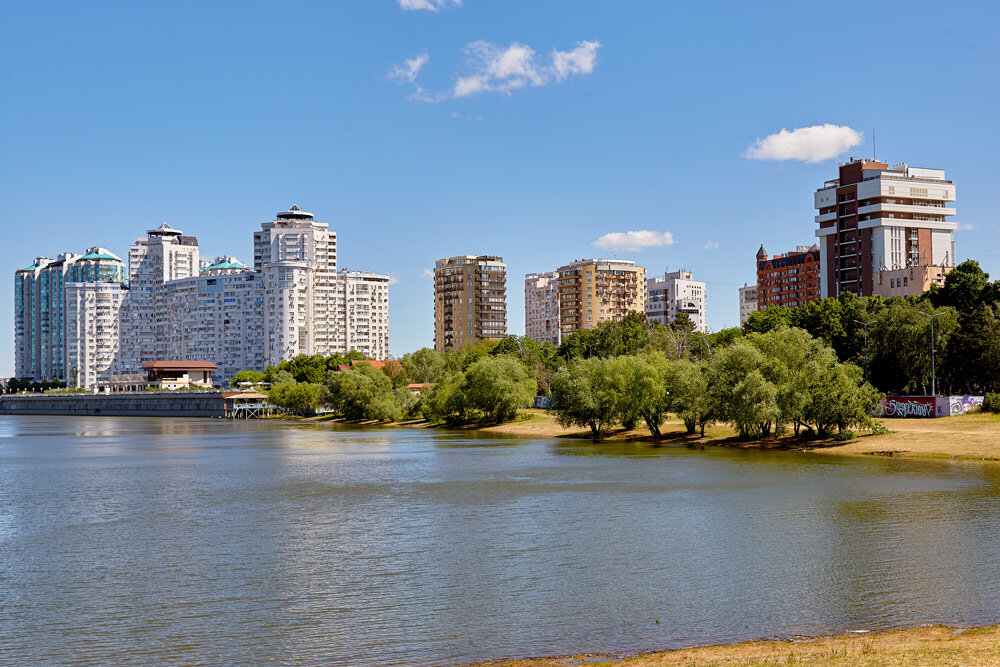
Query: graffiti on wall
x,y
962,404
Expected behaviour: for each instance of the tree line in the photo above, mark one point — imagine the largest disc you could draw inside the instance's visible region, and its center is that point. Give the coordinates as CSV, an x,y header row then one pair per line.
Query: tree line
x,y
890,339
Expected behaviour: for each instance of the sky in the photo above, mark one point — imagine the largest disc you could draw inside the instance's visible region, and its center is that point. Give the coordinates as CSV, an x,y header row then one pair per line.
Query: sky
x,y
678,135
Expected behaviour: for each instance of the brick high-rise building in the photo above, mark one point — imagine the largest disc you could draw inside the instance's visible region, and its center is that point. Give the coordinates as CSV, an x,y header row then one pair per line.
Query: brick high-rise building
x,y
873,218
599,290
791,279
470,300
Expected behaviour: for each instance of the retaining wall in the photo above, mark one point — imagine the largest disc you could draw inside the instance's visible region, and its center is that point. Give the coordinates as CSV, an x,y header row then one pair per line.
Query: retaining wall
x,y
142,404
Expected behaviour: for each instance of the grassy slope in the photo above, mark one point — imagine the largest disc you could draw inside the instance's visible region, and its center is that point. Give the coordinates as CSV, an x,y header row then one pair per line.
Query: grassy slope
x,y
895,648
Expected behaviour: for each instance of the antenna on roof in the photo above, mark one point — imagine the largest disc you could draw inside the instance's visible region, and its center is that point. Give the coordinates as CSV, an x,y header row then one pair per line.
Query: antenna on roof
x,y
873,143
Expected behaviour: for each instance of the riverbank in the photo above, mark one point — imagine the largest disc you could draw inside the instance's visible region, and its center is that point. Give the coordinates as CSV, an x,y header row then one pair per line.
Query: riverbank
x,y
936,645
973,437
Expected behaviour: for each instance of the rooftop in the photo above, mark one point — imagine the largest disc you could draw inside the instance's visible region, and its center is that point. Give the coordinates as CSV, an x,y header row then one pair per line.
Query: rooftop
x,y
164,365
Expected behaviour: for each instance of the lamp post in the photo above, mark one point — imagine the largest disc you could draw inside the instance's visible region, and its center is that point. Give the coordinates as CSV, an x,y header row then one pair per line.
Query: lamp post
x,y
865,325
933,379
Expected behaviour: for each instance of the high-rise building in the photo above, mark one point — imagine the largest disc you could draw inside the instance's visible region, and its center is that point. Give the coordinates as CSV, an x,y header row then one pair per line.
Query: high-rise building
x,y
677,293
592,291
362,314
791,279
40,308
297,257
162,255
875,218
541,307
92,331
748,301
470,300
217,316
176,306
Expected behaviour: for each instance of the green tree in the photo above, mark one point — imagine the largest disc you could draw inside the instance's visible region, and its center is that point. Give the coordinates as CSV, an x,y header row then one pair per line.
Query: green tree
x,y
496,387
363,393
640,383
248,376
688,394
423,366
583,395
769,319
297,397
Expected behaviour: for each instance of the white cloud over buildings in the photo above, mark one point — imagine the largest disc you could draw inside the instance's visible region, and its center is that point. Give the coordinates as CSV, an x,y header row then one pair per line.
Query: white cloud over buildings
x,y
635,241
807,144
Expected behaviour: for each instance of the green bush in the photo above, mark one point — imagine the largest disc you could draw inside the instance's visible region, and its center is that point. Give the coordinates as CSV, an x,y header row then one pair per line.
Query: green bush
x,y
991,402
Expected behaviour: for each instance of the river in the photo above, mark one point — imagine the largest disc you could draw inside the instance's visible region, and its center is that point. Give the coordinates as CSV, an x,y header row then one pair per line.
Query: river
x,y
131,540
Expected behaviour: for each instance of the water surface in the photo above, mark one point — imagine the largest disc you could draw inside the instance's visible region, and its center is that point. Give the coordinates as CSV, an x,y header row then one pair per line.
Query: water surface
x,y
130,540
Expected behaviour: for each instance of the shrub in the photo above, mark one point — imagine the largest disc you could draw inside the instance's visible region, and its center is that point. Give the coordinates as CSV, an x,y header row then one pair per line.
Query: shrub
x,y
991,402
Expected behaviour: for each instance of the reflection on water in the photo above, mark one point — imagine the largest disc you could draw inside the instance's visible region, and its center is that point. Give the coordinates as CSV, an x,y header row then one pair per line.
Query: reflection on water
x,y
143,540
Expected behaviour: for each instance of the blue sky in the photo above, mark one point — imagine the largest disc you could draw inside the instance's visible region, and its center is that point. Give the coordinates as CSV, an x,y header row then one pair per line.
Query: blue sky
x,y
604,117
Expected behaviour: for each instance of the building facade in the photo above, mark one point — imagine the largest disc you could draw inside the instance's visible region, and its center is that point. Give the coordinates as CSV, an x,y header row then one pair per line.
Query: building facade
x,y
361,317
40,308
170,304
470,300
912,280
297,258
748,301
678,292
874,218
92,335
791,279
164,254
592,291
217,316
541,307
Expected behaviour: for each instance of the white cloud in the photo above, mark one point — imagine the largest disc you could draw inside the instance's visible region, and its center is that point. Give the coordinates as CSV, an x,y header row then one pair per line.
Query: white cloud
x,y
427,273
580,60
712,245
808,144
393,279
408,71
634,241
498,69
501,69
429,5
965,227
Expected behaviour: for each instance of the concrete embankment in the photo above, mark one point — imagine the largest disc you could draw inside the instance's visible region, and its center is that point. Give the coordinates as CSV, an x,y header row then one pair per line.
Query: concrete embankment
x,y
145,404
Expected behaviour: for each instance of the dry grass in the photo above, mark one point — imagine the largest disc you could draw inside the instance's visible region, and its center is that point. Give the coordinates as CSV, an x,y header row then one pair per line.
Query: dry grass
x,y
918,646
969,437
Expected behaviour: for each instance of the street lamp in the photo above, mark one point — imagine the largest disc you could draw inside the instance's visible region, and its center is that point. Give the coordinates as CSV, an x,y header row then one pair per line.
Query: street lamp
x,y
865,325
933,382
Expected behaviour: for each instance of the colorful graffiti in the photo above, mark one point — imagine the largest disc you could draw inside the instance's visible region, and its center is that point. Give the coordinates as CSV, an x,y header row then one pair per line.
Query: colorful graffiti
x,y
909,406
963,404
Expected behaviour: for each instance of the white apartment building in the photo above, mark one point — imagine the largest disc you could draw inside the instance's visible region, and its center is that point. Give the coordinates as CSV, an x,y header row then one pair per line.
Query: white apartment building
x,y
164,254
541,307
875,218
748,301
92,331
677,293
217,316
40,308
176,306
361,317
297,257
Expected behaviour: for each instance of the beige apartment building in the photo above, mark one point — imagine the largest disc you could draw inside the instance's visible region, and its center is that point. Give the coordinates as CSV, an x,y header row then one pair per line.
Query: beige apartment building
x,y
470,300
912,280
592,291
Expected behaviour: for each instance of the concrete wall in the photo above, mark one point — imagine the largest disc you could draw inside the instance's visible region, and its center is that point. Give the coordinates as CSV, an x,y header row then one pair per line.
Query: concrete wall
x,y
147,404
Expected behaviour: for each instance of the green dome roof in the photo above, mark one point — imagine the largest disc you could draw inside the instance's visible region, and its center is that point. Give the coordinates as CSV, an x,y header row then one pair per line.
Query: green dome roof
x,y
102,255
227,264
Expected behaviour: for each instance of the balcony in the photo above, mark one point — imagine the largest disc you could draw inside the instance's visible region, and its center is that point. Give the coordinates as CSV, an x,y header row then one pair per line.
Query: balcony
x,y
915,209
